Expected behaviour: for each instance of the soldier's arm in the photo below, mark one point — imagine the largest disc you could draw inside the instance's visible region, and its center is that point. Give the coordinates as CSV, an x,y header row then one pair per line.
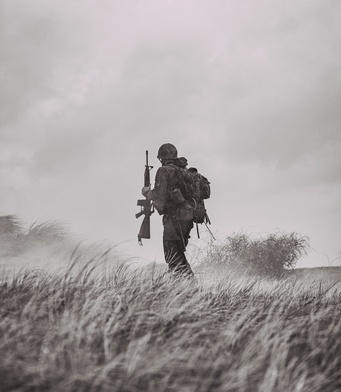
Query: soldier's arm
x,y
160,192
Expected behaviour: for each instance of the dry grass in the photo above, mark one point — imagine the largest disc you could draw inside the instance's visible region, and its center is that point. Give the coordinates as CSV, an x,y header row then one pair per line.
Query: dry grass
x,y
133,331
143,330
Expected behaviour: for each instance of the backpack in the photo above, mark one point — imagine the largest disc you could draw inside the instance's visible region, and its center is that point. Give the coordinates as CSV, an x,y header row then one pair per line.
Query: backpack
x,y
192,186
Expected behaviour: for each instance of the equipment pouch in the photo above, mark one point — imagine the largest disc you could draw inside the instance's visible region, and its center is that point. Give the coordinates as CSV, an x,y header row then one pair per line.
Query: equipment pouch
x,y
199,213
186,212
159,206
177,196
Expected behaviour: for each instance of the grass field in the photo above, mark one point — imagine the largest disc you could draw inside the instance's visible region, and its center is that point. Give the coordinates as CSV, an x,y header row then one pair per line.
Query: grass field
x,y
87,328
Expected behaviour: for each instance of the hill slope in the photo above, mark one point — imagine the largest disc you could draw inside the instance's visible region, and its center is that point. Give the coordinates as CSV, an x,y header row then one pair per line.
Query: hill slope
x,y
80,328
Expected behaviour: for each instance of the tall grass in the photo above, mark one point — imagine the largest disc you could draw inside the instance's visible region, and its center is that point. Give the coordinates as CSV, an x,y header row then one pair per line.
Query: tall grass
x,y
98,325
16,239
142,331
44,245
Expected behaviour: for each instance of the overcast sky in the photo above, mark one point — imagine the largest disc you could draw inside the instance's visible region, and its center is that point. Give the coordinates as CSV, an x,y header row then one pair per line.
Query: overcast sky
x,y
248,91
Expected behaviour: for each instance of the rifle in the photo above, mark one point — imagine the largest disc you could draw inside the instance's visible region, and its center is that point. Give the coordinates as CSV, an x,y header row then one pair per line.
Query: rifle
x,y
146,207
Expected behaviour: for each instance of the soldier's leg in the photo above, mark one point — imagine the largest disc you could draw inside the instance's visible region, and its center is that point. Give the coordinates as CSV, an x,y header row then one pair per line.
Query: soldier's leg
x,y
175,257
175,239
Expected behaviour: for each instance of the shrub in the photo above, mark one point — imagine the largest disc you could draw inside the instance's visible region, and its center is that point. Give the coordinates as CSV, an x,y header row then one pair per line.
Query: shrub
x,y
267,256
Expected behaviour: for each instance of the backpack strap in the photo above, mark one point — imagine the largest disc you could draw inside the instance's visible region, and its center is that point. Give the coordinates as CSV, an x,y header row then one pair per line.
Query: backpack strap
x,y
174,177
196,223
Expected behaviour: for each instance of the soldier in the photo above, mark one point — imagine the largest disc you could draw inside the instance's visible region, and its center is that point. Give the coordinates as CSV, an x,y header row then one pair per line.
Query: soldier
x,y
177,212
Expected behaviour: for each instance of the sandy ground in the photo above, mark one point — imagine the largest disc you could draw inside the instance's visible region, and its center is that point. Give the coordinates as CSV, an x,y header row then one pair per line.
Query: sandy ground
x,y
327,275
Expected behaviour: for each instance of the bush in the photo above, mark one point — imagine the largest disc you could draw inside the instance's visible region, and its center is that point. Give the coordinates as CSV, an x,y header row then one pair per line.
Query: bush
x,y
265,256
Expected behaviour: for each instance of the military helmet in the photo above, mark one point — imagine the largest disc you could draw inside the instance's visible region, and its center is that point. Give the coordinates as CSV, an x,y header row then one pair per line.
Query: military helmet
x,y
167,151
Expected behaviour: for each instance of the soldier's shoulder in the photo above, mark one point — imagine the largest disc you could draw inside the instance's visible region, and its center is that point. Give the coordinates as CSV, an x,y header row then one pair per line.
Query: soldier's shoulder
x,y
167,169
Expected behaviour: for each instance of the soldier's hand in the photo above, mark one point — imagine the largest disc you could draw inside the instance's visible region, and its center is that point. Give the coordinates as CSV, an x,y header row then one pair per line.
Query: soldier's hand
x,y
145,190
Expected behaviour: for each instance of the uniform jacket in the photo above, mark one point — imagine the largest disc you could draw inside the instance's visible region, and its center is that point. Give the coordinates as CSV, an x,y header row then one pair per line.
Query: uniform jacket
x,y
176,225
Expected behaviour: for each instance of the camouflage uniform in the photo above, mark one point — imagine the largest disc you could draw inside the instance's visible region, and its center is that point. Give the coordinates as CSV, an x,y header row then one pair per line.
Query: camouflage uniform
x,y
177,221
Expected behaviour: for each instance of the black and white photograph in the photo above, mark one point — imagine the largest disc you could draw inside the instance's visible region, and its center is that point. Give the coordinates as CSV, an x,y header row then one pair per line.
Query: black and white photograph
x,y
170,195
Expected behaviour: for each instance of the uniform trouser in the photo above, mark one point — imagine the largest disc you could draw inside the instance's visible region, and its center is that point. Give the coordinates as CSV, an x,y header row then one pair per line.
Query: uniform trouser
x,y
175,239
175,257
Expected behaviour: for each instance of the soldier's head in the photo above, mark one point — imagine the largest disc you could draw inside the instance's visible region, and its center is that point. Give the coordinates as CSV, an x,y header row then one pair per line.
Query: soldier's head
x,y
167,152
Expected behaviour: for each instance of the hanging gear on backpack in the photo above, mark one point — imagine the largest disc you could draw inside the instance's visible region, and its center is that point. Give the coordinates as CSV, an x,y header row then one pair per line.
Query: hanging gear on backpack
x,y
191,186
